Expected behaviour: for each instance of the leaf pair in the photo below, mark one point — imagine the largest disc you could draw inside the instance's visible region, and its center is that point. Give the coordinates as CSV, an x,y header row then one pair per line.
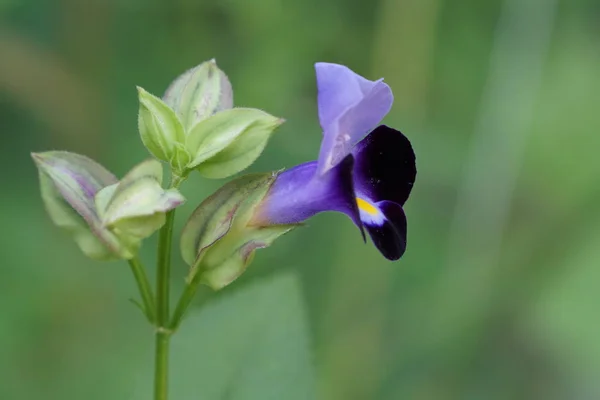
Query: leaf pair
x,y
195,126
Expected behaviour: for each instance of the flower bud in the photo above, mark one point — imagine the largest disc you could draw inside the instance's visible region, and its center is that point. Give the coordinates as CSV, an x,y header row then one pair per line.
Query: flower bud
x,y
229,141
195,127
218,240
108,219
161,131
199,93
136,206
69,183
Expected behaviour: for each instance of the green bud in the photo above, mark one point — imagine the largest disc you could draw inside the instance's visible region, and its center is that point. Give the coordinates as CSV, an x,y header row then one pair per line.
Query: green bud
x,y
218,241
199,93
195,126
136,207
108,219
69,183
161,131
229,141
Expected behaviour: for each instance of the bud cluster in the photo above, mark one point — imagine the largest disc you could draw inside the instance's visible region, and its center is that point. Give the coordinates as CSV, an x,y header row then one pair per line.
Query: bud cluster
x,y
193,127
107,218
196,127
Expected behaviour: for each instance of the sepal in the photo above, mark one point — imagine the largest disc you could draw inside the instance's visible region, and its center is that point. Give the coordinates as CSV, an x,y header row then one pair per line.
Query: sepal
x,y
218,241
69,182
137,205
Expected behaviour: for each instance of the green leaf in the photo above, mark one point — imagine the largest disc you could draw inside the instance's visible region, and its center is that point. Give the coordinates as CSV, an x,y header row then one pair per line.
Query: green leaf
x,y
160,129
230,134
249,344
199,93
236,157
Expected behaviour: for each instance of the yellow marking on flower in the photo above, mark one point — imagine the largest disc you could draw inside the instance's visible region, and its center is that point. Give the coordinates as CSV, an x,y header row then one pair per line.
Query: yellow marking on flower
x,y
366,206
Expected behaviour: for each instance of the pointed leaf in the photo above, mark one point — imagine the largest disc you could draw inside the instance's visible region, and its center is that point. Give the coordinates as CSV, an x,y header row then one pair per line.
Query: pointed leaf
x,y
238,156
216,134
199,93
160,128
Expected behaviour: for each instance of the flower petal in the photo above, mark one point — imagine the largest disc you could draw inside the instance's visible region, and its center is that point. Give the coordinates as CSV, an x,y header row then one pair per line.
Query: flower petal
x,y
299,193
389,233
385,166
349,107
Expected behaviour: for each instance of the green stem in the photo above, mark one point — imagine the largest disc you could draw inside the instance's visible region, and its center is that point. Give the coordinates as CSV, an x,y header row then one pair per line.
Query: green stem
x,y
162,308
185,300
139,273
163,274
161,370
163,271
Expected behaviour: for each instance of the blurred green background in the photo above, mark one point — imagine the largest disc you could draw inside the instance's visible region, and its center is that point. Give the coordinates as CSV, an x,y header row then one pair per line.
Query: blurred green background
x,y
498,294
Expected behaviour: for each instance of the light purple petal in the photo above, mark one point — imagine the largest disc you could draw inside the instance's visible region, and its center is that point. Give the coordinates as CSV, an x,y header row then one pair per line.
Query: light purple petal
x,y
350,106
299,193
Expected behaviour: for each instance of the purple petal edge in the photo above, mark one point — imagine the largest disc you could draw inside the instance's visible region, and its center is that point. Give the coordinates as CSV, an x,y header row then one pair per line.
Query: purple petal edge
x,y
349,107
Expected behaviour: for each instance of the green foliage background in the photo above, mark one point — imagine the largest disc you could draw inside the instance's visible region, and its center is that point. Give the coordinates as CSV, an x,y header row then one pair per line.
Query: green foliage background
x,y
497,296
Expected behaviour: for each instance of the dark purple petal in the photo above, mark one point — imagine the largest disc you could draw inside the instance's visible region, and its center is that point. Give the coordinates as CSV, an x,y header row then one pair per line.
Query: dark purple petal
x,y
385,166
299,193
389,236
349,107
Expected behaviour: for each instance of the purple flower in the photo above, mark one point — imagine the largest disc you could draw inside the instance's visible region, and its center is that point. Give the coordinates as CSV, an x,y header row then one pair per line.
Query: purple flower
x,y
364,171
